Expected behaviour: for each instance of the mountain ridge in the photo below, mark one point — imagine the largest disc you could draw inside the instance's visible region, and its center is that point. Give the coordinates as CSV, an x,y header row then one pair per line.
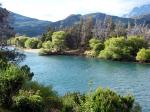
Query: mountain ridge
x,y
34,27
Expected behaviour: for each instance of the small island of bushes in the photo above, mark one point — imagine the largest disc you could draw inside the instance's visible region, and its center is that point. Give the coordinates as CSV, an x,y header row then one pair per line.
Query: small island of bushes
x,y
132,48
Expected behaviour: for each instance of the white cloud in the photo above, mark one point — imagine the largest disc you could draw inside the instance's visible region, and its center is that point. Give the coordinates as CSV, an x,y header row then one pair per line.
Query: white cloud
x,y
59,9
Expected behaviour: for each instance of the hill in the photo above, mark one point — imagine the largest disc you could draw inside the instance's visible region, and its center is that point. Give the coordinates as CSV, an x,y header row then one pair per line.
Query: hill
x,y
34,27
28,26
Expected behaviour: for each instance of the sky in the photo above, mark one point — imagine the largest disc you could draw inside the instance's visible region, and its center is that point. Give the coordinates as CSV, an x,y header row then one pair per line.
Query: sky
x,y
54,10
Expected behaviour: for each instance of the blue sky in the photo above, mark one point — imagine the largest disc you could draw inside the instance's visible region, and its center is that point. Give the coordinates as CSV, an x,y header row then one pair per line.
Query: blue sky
x,y
54,10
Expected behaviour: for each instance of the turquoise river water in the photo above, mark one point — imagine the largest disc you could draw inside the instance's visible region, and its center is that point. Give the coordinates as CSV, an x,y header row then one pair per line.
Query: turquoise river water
x,y
73,73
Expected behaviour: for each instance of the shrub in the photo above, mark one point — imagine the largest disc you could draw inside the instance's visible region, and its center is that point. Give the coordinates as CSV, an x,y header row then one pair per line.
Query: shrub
x,y
47,45
20,41
71,102
105,100
28,101
32,43
136,43
50,97
11,80
58,40
116,49
143,55
96,46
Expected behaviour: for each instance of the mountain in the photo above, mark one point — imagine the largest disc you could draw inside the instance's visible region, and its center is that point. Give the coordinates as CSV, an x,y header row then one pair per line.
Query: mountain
x,y
34,27
139,11
28,26
74,19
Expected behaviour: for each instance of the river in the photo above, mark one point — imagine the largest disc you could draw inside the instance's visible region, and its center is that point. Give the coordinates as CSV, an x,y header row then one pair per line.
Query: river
x,y
73,73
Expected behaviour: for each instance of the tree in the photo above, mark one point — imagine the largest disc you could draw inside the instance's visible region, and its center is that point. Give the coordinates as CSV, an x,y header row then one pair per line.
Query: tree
x,y
143,55
115,49
32,43
28,101
11,80
136,43
105,100
95,47
47,45
58,40
20,41
47,36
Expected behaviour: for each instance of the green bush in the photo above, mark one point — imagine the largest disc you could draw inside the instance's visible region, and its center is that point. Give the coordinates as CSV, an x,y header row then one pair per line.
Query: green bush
x,y
105,100
95,47
28,101
47,45
11,80
71,102
50,97
96,44
20,41
32,43
115,49
143,55
136,43
58,40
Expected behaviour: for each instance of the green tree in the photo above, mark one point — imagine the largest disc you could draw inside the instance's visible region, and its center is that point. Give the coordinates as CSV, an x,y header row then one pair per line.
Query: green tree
x,y
32,43
95,47
105,100
47,45
58,40
47,36
28,101
116,49
11,80
50,97
20,41
136,43
143,55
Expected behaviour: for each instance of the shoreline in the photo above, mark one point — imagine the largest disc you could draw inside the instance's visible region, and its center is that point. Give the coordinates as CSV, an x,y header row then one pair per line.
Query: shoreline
x,y
31,50
72,53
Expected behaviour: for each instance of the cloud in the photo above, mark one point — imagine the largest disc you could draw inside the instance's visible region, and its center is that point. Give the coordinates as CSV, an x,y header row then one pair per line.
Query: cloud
x,y
59,9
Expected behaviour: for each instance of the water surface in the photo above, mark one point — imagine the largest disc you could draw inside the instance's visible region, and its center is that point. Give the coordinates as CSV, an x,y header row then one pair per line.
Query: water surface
x,y
72,73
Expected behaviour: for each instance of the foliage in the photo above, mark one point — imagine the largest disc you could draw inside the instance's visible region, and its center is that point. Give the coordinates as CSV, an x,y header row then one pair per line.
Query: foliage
x,y
47,45
116,49
50,97
11,80
28,101
105,100
27,71
96,46
71,102
143,55
136,43
122,49
32,43
47,36
20,41
58,40
11,55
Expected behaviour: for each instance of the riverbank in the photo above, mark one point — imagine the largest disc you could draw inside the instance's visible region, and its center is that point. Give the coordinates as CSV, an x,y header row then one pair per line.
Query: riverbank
x,y
77,52
31,50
